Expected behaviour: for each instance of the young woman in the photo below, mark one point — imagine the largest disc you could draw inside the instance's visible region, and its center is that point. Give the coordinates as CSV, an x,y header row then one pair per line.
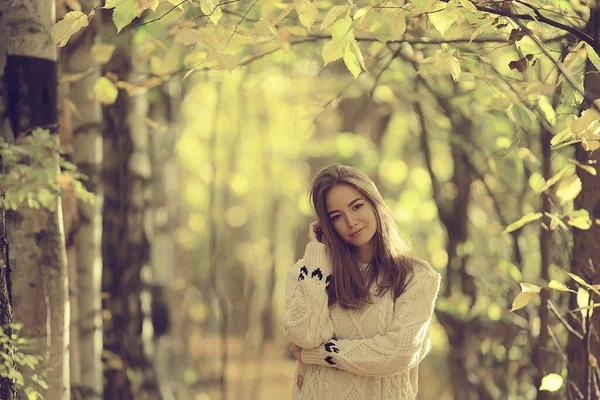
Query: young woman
x,y
357,307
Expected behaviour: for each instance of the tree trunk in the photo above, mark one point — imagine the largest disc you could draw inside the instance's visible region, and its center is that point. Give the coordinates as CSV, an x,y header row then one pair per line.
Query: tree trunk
x,y
86,234
125,249
164,217
586,257
37,254
8,388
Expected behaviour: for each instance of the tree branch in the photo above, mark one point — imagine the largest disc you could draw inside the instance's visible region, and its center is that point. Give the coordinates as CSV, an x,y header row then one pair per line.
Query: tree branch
x,y
539,17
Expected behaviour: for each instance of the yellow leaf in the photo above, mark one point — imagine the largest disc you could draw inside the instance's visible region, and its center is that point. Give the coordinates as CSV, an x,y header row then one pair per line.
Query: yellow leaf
x,y
177,3
577,279
551,382
583,299
530,288
142,5
332,16
587,124
351,62
522,300
569,189
397,23
102,52
523,221
580,219
587,168
212,9
65,28
106,92
188,37
307,13
561,287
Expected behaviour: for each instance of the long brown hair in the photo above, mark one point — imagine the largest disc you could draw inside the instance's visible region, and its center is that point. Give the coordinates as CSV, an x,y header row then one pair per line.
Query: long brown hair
x,y
391,267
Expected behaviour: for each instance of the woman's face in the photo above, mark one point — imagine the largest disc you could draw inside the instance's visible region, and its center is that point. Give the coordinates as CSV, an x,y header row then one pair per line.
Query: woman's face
x,y
351,214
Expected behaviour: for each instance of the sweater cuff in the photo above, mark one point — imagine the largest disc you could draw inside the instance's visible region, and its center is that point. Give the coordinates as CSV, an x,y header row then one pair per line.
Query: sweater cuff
x,y
316,257
317,356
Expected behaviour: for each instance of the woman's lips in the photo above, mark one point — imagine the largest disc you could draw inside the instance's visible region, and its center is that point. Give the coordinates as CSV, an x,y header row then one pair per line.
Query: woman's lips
x,y
355,234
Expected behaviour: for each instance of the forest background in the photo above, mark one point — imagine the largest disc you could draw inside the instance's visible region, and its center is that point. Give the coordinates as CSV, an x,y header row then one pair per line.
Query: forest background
x,y
156,156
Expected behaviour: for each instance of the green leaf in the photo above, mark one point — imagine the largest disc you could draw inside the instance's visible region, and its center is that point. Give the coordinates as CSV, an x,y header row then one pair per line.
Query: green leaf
x,y
333,16
397,22
593,56
552,180
106,92
211,8
580,219
351,62
522,300
378,25
307,13
569,189
551,382
123,14
449,62
359,55
443,20
65,28
469,6
560,137
331,52
342,32
547,109
519,116
523,221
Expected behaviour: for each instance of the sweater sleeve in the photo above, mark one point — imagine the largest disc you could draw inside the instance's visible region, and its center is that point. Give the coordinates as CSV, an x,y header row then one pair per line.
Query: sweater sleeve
x,y
306,320
402,347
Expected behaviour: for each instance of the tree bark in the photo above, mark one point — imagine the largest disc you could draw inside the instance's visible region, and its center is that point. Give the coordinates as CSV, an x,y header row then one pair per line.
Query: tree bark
x,y
86,232
125,248
37,254
585,260
164,216
8,389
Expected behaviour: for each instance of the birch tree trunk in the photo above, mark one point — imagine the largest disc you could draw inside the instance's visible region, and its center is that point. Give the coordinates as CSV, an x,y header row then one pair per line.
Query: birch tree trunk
x,y
87,234
164,183
37,253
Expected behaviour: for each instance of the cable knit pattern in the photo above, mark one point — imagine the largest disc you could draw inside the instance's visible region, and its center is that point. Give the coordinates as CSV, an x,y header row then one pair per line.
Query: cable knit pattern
x,y
367,354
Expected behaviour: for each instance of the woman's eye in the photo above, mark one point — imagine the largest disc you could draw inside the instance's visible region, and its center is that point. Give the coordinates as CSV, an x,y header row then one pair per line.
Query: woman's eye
x,y
357,206
334,217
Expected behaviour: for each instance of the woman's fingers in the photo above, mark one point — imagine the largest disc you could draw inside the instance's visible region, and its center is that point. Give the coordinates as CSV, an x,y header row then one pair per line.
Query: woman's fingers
x,y
313,230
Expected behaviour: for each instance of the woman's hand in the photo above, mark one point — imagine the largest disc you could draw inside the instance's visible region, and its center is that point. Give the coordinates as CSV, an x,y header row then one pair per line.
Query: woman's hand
x,y
297,353
314,232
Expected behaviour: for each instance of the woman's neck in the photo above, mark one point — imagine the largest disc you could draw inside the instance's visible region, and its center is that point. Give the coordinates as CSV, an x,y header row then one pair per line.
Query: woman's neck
x,y
365,253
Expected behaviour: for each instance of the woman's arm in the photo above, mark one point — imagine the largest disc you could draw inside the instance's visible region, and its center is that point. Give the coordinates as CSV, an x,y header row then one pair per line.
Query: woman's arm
x,y
306,320
400,349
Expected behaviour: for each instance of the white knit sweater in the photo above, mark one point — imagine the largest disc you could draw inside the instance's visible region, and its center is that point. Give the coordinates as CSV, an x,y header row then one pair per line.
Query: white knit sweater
x,y
367,354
